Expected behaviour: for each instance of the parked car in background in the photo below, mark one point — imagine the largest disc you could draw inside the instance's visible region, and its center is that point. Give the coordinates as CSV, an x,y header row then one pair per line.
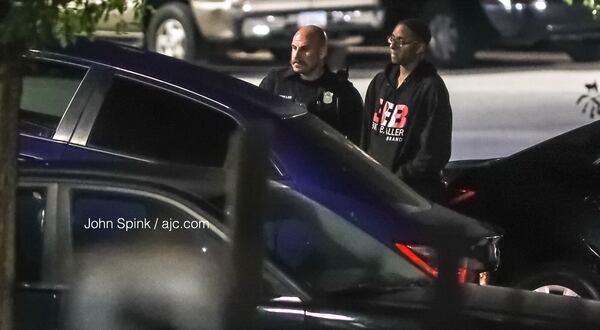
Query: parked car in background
x,y
109,103
461,27
345,279
192,28
547,198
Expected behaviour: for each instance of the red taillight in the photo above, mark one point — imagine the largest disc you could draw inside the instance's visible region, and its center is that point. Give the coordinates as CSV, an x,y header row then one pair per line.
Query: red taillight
x,y
415,259
425,258
461,196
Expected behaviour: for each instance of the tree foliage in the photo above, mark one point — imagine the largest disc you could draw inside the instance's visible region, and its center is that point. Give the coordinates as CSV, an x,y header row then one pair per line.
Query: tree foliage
x,y
37,22
23,24
592,5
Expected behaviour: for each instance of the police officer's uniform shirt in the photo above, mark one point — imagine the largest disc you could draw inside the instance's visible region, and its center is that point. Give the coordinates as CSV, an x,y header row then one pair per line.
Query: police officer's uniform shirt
x,y
331,98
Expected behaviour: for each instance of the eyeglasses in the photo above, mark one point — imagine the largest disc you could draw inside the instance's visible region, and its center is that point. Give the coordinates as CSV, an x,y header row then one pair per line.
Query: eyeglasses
x,y
391,39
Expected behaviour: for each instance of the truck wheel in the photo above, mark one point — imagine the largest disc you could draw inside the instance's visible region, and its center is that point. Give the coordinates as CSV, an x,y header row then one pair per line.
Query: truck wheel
x,y
172,32
451,44
584,52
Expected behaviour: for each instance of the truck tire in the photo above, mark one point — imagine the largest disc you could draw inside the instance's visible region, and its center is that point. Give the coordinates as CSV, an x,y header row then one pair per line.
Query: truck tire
x,y
172,31
452,44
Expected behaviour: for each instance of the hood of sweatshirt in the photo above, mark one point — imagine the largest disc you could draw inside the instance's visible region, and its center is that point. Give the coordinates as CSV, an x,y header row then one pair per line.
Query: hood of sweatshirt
x,y
423,69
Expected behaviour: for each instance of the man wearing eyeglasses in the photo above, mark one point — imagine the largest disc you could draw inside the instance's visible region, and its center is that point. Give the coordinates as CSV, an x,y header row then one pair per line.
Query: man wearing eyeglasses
x,y
309,82
407,123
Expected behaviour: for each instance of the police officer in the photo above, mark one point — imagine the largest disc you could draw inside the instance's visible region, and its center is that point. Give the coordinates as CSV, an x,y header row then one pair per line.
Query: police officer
x,y
309,82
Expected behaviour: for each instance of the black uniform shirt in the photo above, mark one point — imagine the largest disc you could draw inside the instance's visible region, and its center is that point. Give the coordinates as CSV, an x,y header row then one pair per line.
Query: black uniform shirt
x,y
331,98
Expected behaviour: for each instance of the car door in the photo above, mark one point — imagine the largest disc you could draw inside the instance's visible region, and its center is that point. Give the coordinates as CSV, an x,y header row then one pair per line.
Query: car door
x,y
38,294
53,96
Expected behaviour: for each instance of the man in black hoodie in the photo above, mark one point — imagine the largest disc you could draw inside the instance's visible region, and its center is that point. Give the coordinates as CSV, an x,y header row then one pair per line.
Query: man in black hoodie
x,y
309,82
407,124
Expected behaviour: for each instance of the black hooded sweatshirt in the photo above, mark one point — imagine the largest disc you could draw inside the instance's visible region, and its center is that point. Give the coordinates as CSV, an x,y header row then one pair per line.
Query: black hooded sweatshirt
x,y
408,129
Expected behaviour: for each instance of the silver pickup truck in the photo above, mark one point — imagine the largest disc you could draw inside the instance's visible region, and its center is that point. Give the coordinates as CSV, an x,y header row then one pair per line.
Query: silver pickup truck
x,y
188,29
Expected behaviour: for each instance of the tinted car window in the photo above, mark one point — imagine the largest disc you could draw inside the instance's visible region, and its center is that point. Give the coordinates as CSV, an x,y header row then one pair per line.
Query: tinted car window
x,y
47,91
113,218
143,120
31,210
327,252
117,207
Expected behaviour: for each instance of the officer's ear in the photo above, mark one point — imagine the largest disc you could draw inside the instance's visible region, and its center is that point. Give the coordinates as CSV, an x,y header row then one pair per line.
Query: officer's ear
x,y
323,53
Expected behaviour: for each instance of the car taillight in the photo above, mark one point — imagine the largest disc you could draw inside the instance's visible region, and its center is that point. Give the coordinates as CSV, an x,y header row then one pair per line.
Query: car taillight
x,y
461,196
425,258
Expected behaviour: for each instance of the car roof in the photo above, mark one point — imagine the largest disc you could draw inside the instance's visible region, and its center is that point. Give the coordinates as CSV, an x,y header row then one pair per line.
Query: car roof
x,y
194,78
570,140
199,182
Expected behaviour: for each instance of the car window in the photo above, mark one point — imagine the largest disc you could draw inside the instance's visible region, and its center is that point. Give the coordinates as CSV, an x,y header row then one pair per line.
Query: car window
x,y
327,252
31,212
47,91
101,219
142,120
116,218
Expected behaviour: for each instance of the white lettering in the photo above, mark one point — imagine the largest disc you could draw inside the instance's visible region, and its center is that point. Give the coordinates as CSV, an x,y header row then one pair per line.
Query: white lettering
x,y
98,224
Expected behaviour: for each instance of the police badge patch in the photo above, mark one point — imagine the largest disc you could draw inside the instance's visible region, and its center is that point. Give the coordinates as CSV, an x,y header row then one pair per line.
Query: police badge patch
x,y
327,97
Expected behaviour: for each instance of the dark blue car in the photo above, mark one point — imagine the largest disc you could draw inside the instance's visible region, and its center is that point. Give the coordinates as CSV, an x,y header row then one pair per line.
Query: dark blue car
x,y
107,103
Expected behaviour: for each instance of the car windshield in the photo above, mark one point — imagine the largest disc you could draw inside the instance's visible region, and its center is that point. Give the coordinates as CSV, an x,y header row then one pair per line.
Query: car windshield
x,y
341,155
328,253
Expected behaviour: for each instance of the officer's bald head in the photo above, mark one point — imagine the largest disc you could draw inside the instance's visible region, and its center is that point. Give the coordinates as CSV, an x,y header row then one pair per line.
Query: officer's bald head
x,y
312,34
309,49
